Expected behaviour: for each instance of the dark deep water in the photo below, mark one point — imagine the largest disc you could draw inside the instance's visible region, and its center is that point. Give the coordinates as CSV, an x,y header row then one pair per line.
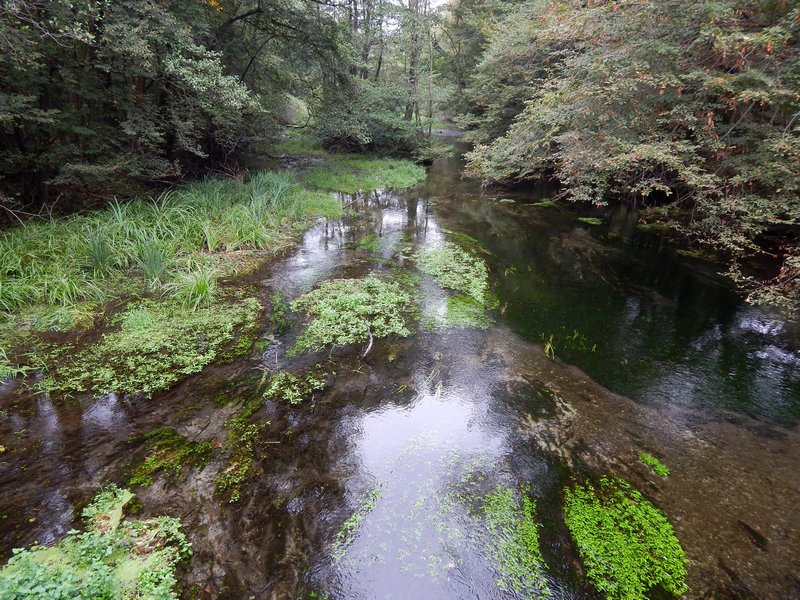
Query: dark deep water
x,y
654,352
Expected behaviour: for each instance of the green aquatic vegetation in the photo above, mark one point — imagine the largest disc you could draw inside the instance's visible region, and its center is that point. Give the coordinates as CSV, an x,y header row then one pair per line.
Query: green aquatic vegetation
x,y
349,530
590,220
513,545
152,346
370,243
169,453
456,269
353,311
111,558
465,241
462,310
293,389
627,545
658,467
243,435
353,173
279,319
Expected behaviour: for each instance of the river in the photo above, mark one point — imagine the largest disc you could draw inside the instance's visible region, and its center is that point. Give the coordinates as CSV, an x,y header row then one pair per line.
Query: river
x,y
651,352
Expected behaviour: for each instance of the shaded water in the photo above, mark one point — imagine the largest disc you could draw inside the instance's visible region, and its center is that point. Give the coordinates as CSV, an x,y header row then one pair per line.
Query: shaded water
x,y
665,360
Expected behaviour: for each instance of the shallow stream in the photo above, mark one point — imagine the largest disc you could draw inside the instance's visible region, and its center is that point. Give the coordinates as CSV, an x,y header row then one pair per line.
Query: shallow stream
x,y
364,491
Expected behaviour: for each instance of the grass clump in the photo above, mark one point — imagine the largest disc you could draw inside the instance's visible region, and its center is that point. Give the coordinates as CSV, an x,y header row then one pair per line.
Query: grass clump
x,y
168,453
351,174
456,269
112,558
153,345
513,544
627,545
53,273
353,311
590,220
293,389
658,467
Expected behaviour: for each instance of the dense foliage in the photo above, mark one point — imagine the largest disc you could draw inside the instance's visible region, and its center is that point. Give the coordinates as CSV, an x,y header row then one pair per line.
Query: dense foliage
x,y
687,108
113,558
627,545
100,96
351,311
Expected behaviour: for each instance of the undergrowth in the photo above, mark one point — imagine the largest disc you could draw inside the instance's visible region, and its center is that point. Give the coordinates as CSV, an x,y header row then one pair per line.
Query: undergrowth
x,y
628,546
112,558
456,269
58,274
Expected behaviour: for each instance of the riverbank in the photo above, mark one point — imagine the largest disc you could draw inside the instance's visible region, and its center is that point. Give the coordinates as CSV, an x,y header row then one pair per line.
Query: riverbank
x,y
108,282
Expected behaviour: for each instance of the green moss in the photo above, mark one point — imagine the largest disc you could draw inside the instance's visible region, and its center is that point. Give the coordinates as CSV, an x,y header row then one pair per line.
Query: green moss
x,y
456,269
350,174
590,220
243,435
153,345
656,465
349,529
112,558
627,545
513,545
293,389
353,311
169,453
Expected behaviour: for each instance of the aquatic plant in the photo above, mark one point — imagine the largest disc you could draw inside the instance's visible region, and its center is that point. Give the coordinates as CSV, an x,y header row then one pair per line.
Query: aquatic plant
x,y
513,545
293,389
241,441
658,467
462,310
112,558
627,545
349,529
154,345
370,243
279,319
456,269
352,311
168,453
353,173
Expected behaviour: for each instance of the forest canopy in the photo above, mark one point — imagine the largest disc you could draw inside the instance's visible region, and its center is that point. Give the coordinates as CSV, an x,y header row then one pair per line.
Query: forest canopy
x,y
687,109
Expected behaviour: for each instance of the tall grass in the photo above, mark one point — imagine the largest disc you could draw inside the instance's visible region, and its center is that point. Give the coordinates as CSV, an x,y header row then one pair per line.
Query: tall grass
x,y
85,258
